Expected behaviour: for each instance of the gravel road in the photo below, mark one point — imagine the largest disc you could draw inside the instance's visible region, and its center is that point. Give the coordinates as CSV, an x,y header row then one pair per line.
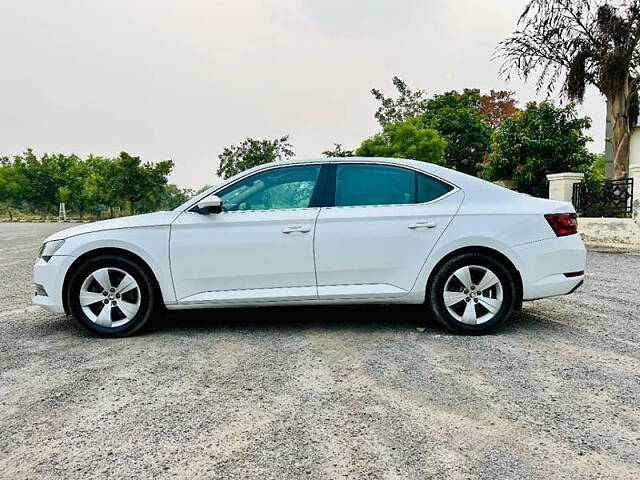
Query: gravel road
x,y
322,392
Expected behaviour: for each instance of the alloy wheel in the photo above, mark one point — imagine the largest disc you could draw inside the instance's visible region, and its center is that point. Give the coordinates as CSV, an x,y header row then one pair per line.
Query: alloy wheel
x,y
110,297
473,294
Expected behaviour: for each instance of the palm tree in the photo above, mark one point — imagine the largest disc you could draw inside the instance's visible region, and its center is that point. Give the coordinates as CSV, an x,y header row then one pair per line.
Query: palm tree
x,y
577,43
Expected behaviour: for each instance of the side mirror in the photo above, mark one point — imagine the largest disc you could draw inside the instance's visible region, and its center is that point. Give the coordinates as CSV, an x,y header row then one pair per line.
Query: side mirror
x,y
211,204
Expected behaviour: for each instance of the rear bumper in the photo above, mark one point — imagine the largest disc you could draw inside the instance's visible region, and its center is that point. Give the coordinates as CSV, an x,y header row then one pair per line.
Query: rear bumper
x,y
48,278
552,286
576,287
545,264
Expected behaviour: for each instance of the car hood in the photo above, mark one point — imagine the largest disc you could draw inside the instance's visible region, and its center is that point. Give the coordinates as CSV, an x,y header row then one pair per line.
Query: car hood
x,y
146,220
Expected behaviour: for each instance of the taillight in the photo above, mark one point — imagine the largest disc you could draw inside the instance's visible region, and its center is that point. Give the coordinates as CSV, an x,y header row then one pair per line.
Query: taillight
x,y
563,223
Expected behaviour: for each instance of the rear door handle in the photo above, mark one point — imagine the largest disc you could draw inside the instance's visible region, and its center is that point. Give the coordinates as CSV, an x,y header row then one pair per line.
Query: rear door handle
x,y
296,229
416,225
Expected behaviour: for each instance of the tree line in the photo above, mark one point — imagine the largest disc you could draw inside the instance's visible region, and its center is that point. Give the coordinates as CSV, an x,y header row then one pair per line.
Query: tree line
x,y
565,44
31,184
486,135
481,134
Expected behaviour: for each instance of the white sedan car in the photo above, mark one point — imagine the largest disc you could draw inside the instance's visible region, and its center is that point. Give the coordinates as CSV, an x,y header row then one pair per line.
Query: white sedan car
x,y
327,231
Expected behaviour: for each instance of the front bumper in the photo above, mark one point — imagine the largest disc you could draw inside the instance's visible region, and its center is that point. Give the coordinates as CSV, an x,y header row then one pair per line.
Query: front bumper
x,y
49,276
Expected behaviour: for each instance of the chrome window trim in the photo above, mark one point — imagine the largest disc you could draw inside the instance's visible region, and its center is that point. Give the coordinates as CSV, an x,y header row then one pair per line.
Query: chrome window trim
x,y
273,165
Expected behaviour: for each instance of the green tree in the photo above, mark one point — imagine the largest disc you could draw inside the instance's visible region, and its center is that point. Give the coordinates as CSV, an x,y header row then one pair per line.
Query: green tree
x,y
80,193
157,176
577,43
41,186
103,185
495,106
408,104
541,139
134,181
250,153
595,173
466,120
69,175
130,178
48,180
338,152
12,186
202,189
457,118
171,196
405,140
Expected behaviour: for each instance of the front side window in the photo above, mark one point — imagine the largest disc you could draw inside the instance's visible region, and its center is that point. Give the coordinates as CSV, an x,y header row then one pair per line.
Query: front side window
x,y
361,184
277,188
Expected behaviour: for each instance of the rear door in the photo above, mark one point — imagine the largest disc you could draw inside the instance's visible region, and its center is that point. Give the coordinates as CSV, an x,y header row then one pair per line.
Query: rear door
x,y
382,222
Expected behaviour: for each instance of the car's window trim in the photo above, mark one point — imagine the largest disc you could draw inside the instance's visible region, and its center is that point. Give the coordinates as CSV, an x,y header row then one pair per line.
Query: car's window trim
x,y
331,185
391,163
330,193
329,197
316,195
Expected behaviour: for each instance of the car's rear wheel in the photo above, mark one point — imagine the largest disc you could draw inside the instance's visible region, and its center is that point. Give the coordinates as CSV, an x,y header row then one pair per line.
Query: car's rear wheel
x,y
112,296
472,293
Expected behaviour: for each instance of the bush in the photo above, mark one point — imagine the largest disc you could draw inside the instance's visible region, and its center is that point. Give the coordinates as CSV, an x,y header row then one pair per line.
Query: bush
x,y
537,141
405,140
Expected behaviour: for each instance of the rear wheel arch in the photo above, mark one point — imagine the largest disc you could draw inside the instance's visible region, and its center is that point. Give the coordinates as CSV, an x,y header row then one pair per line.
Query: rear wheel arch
x,y
119,252
515,273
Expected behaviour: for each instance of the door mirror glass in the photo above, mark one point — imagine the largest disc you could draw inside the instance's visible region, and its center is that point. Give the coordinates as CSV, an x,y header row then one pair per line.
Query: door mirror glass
x,y
211,204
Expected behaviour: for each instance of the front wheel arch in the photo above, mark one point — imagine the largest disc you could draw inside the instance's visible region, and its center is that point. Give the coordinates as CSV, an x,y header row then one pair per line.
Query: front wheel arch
x,y
486,251
120,252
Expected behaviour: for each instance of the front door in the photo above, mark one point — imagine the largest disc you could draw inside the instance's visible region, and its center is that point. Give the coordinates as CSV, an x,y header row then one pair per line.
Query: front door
x,y
260,248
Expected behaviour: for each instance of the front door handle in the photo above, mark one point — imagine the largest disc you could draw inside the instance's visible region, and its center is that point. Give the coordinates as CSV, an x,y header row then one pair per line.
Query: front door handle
x,y
296,229
416,225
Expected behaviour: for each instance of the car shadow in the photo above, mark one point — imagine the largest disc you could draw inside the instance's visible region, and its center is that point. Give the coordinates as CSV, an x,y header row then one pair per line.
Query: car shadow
x,y
297,317
363,318
330,318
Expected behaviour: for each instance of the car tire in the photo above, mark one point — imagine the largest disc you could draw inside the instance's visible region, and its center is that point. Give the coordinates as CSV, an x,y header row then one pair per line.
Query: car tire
x,y
471,294
112,296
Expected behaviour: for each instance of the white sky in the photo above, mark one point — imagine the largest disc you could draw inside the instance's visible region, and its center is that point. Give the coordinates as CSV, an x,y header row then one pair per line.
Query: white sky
x,y
181,79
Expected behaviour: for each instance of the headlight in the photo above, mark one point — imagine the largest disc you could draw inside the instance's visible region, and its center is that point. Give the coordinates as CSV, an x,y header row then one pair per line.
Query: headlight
x,y
49,248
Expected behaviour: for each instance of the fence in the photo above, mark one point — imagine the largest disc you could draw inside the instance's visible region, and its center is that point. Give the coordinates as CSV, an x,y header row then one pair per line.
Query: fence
x,y
606,198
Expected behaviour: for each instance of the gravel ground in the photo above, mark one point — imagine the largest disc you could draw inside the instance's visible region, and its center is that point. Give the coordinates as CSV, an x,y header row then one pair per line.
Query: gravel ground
x,y
322,392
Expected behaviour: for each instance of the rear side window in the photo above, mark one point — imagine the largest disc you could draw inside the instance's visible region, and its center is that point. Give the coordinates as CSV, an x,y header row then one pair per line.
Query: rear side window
x,y
359,184
430,188
373,185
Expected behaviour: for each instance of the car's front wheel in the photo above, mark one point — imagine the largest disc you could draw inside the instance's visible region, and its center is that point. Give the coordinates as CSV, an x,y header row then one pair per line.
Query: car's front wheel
x,y
112,296
472,293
